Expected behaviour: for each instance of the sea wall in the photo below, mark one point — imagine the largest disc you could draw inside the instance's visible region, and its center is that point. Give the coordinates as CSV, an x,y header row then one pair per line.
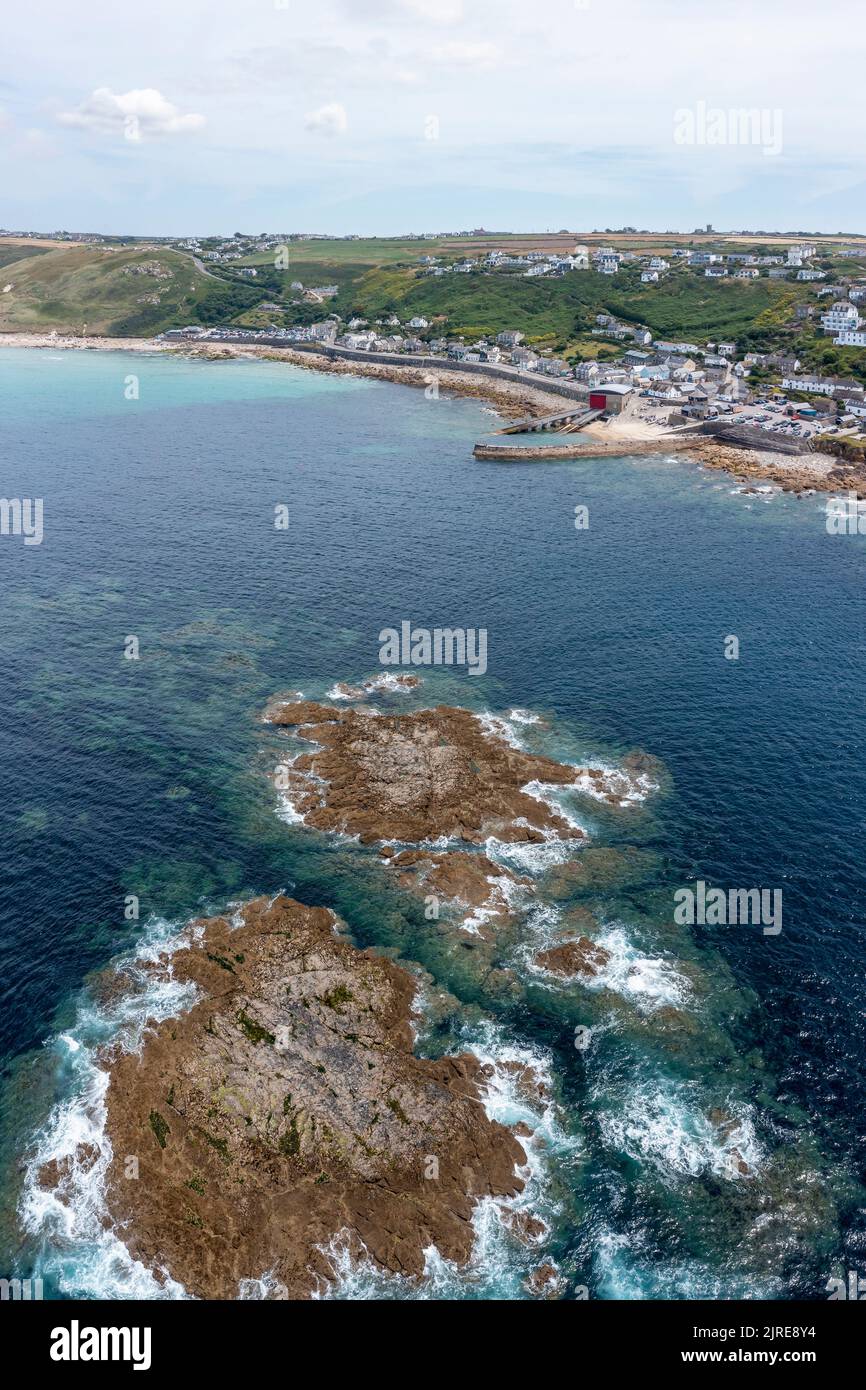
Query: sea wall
x,y
573,390
753,437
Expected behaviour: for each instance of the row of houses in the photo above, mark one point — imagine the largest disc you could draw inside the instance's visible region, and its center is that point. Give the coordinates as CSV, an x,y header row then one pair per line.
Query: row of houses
x,y
838,388
531,263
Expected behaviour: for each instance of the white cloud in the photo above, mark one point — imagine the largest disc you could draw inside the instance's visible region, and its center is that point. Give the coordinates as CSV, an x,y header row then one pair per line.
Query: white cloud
x,y
436,11
440,12
136,114
328,120
481,56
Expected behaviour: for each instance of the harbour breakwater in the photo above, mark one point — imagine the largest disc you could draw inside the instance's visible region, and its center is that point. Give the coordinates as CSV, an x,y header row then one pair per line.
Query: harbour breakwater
x,y
573,446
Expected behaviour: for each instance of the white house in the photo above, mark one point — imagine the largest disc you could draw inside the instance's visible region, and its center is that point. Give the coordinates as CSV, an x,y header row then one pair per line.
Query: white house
x,y
819,385
418,323
841,318
850,338
649,277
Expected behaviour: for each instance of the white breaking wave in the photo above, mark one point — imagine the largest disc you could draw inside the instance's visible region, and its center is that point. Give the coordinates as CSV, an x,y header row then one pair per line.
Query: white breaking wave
x,y
649,982
503,895
628,789
390,681
660,1124
531,856
497,726
523,716
81,1254
287,810
625,1271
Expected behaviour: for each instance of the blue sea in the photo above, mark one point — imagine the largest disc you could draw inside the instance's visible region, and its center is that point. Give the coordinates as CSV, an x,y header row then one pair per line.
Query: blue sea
x,y
705,1139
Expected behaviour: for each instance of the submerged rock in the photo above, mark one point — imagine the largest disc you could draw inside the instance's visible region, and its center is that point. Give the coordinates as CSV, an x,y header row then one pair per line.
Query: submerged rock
x,y
599,867
580,957
545,1281
287,1109
470,883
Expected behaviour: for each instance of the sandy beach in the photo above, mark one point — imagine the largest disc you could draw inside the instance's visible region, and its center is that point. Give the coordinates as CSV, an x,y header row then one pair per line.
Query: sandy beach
x,y
623,434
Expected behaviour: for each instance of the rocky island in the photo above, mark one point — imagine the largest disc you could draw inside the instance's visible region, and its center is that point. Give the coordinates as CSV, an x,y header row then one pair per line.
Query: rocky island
x,y
285,1114
417,776
287,1108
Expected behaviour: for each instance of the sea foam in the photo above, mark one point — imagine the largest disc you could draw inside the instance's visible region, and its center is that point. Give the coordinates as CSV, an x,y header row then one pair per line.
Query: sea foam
x,y
81,1254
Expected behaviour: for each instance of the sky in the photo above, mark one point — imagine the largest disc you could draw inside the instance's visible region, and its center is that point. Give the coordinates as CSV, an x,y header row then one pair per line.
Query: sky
x,y
196,117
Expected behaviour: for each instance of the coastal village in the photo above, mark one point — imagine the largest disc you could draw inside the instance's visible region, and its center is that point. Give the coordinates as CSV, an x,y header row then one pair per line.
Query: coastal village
x,y
757,338
665,381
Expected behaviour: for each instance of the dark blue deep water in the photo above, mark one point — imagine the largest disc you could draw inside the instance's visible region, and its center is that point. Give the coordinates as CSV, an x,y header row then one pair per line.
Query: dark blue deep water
x,y
148,777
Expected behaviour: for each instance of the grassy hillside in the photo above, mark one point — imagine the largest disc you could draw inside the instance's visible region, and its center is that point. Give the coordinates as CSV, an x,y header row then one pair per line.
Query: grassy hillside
x,y
140,290
10,251
115,292
562,311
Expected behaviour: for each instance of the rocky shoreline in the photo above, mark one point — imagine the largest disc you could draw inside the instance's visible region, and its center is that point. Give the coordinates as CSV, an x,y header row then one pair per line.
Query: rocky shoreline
x,y
284,1110
418,776
818,472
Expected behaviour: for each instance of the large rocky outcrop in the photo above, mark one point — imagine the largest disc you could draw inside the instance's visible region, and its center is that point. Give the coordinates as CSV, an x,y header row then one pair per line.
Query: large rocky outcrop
x,y
287,1107
417,776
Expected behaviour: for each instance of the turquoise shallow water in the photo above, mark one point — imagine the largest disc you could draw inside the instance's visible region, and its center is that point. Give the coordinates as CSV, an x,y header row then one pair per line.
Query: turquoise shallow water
x,y
149,778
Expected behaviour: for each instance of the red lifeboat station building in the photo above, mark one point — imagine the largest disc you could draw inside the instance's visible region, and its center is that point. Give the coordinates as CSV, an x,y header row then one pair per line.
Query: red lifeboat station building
x,y
610,398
